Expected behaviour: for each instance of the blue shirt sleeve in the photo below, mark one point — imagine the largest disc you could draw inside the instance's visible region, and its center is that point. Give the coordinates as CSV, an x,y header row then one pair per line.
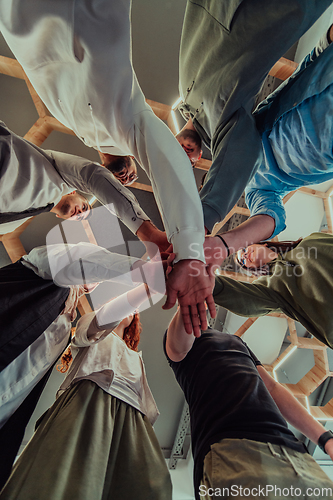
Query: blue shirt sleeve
x,y
264,202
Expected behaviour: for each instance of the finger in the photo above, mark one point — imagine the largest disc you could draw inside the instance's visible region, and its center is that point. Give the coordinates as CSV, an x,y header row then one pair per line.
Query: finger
x,y
171,258
211,305
171,298
168,271
185,311
195,321
202,315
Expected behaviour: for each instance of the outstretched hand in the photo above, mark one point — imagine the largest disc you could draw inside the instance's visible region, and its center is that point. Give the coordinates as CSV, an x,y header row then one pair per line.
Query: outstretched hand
x,y
192,283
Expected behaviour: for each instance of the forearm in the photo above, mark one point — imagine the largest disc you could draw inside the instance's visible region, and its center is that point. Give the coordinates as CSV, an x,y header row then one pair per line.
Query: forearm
x,y
253,230
291,409
178,342
109,315
244,299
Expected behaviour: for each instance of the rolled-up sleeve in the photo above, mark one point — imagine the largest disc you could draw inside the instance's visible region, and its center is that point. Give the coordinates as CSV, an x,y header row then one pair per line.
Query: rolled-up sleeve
x,y
265,202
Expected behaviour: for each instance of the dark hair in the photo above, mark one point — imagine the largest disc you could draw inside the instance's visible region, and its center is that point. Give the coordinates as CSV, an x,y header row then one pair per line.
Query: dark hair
x,y
118,164
132,333
131,338
280,247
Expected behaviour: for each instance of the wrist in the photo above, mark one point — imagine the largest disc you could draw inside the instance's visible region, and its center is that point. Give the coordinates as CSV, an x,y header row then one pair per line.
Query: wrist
x,y
145,230
326,436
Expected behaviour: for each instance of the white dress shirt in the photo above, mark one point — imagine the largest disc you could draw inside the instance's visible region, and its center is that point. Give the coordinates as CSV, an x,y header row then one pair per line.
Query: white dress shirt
x,y
77,56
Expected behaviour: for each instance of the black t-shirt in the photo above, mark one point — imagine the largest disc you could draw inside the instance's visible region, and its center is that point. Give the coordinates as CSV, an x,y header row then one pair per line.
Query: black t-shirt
x,y
227,397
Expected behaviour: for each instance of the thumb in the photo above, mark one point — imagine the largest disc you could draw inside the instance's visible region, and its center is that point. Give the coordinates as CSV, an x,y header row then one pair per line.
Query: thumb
x,y
170,300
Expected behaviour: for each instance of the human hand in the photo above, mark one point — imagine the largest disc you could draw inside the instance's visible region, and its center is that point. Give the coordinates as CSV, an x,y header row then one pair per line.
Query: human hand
x,y
192,282
215,251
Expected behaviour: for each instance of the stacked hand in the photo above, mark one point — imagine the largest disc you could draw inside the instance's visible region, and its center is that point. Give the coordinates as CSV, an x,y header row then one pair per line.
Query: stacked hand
x,y
192,283
189,281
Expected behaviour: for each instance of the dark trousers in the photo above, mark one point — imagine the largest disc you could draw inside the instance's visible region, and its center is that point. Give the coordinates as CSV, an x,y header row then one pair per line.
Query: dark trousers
x,y
12,433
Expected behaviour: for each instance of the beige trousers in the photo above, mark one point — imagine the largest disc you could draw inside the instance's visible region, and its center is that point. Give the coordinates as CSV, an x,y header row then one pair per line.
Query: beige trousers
x,y
241,468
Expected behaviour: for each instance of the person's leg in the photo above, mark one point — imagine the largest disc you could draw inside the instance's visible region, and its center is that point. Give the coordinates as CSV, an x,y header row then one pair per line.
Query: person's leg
x,y
12,433
136,467
252,469
90,445
226,52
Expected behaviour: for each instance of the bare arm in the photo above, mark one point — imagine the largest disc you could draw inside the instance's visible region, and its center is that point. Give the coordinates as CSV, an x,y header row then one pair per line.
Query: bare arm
x,y
253,230
294,412
147,232
178,342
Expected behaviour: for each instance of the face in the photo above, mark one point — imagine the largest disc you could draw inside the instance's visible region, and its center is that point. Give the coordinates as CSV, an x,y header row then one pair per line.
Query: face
x,y
255,256
128,175
72,206
190,146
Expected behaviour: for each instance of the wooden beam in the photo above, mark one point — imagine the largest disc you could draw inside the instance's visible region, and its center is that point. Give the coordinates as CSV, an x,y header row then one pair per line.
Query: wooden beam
x,y
313,192
245,326
142,187
219,225
83,305
11,67
89,232
283,68
203,164
160,110
39,132
282,356
288,196
329,192
39,105
56,125
292,330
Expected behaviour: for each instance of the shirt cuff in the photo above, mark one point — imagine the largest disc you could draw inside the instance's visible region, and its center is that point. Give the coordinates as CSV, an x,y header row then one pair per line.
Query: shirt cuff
x,y
188,244
135,221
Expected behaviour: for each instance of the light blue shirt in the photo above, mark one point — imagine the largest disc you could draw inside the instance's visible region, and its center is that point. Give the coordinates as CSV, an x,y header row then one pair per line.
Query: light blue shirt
x,y
297,142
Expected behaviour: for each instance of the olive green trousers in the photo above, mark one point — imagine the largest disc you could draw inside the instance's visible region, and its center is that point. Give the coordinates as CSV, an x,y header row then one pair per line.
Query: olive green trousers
x,y
90,446
241,468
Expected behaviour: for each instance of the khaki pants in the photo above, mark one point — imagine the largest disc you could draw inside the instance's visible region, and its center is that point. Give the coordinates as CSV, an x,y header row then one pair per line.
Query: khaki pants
x,y
90,446
241,468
